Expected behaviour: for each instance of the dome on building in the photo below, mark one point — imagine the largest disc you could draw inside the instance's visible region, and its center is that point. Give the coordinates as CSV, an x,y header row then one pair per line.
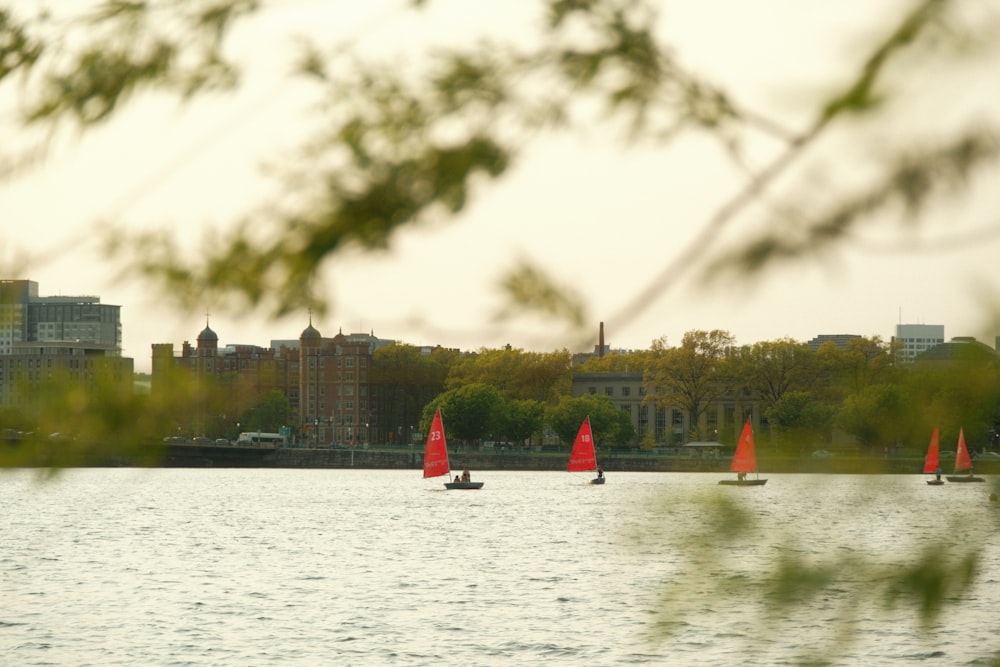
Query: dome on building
x,y
207,335
310,332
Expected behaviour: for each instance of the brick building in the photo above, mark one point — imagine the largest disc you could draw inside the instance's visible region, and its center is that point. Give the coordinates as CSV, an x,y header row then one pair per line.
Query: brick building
x,y
326,380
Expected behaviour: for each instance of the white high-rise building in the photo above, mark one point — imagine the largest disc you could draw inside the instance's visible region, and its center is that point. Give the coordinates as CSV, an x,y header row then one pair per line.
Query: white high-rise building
x,y
915,339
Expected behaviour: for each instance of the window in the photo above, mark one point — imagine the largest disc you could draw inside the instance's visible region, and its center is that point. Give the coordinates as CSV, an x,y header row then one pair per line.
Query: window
x,y
626,391
609,391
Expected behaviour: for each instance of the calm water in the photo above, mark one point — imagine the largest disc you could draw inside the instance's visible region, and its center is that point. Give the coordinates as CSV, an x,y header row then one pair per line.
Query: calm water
x,y
348,567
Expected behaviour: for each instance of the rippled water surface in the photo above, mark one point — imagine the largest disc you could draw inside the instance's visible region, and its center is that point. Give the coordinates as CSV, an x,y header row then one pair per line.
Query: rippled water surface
x,y
350,567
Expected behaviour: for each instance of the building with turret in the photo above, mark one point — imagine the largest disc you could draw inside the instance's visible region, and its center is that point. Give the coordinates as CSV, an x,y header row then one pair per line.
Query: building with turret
x,y
325,380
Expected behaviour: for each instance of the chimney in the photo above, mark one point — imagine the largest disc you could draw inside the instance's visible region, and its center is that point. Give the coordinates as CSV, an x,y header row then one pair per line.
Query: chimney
x,y
600,343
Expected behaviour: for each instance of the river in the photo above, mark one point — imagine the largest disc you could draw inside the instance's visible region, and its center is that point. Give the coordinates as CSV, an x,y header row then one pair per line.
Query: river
x,y
247,567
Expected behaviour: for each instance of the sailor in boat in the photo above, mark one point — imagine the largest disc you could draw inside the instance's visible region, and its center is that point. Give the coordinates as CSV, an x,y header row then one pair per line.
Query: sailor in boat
x,y
740,476
466,477
457,479
600,473
937,473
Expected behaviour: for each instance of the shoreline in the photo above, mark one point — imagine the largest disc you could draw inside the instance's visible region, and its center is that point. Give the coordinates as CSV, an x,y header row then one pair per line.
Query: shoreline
x,y
206,456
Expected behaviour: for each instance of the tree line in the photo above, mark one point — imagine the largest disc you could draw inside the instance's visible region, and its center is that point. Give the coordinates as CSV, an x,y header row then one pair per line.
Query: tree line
x,y
803,396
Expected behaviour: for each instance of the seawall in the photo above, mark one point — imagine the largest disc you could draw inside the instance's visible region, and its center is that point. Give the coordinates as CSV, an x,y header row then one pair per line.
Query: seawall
x,y
475,459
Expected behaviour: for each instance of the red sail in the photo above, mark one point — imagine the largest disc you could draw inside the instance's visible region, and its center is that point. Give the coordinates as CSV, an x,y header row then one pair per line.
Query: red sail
x,y
962,460
745,459
931,463
436,450
582,456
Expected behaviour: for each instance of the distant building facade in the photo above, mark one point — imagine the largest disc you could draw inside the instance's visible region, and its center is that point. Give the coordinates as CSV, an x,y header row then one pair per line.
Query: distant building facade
x,y
667,427
959,348
27,317
842,341
44,338
326,380
912,340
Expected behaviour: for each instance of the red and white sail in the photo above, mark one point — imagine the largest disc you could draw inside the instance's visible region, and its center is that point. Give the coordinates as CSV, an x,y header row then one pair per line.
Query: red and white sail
x,y
436,450
582,457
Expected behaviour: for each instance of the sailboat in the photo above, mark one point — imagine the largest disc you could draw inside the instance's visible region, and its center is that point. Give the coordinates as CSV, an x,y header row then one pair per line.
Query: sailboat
x,y
583,458
963,463
436,456
932,464
744,461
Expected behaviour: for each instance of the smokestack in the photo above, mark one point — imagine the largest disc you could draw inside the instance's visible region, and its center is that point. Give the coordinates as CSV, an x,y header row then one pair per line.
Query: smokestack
x,y
600,343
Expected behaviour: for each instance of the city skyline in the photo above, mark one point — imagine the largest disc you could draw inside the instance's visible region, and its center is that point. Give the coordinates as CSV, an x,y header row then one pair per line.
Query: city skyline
x,y
291,337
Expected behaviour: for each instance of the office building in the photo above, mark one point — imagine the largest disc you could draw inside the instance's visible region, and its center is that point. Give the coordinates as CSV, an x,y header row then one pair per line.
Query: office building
x,y
57,338
914,339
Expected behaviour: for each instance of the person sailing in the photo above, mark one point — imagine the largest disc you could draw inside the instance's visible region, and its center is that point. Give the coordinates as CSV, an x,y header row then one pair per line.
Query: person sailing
x,y
466,477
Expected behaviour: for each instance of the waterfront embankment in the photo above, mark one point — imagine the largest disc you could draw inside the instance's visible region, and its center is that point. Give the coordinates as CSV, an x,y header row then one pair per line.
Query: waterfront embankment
x,y
479,459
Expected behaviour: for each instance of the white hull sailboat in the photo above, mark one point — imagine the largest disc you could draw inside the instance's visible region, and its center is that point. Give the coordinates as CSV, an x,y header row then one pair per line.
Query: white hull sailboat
x,y
436,457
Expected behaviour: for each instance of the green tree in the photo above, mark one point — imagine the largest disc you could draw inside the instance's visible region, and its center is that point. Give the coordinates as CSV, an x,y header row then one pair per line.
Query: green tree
x,y
865,362
516,374
408,378
773,368
873,416
470,413
518,420
566,417
798,421
270,413
693,375
623,362
961,390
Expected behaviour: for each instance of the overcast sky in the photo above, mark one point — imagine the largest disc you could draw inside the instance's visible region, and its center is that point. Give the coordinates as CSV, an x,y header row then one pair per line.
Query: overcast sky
x,y
602,216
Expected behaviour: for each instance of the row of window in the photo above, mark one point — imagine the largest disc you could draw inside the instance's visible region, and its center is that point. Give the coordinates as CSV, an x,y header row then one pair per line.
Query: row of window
x,y
348,390
31,363
627,391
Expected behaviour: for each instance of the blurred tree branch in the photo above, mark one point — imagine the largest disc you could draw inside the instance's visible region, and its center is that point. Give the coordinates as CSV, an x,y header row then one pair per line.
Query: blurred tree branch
x,y
408,143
